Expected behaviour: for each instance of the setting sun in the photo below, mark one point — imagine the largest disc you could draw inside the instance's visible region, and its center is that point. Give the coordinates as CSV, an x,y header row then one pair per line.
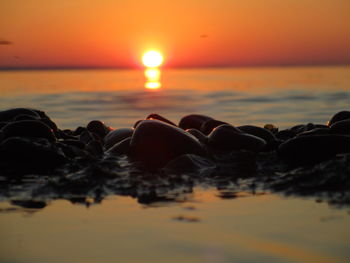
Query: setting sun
x,y
152,59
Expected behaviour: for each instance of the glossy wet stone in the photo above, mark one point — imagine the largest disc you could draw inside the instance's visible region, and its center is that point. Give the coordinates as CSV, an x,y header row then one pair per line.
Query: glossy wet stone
x,y
120,148
28,128
339,116
98,127
36,153
9,115
155,116
209,125
228,138
199,135
304,150
116,136
194,121
341,127
265,134
154,143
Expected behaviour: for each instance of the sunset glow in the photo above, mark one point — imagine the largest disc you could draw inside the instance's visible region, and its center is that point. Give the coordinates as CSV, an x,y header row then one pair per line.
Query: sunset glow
x,y
152,59
86,33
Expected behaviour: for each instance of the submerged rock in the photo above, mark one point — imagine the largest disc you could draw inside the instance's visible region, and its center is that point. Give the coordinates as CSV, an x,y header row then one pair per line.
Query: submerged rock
x,y
155,116
28,128
194,121
155,143
340,116
117,136
305,150
228,138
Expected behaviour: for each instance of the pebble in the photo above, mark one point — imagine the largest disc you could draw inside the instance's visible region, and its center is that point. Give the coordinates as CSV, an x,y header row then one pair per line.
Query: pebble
x,y
116,136
228,138
155,116
194,121
305,150
155,143
28,128
341,127
209,125
340,116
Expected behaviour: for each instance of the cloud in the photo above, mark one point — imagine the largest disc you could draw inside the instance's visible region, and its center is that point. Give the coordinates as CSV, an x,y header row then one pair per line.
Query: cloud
x,y
5,42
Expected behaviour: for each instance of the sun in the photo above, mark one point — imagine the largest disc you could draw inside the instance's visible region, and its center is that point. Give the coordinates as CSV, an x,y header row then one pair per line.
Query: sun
x,y
152,59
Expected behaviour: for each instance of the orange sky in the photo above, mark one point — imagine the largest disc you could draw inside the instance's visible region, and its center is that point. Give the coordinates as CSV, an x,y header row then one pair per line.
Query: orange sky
x,y
114,33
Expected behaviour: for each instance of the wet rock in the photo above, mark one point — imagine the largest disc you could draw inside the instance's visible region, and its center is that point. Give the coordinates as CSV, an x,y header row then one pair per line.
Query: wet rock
x,y
23,117
200,136
37,153
228,138
155,143
341,127
340,116
194,121
188,163
208,126
272,128
9,115
29,128
285,135
98,127
316,131
266,135
95,148
79,130
116,136
155,116
87,136
305,150
120,148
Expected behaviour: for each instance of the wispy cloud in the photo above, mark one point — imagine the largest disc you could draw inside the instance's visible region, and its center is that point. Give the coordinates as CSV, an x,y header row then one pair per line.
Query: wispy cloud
x,y
5,42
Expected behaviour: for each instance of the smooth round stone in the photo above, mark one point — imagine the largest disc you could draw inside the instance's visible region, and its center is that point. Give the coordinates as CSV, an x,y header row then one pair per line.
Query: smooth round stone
x,y
117,136
208,126
120,148
98,127
316,131
285,135
199,135
194,121
155,116
35,152
313,149
341,127
258,132
95,148
23,117
188,163
155,143
9,115
28,128
229,138
87,137
272,128
340,116
79,130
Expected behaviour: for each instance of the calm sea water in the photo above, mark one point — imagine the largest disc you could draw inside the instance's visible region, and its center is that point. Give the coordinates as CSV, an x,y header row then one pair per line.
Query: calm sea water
x,y
283,96
202,227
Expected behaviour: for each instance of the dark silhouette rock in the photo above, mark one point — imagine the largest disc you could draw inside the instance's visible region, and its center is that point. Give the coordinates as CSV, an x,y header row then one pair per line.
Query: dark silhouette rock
x,y
194,121
199,135
209,125
116,136
36,153
28,128
120,148
155,143
9,115
304,150
98,127
316,131
155,116
340,116
229,138
285,135
266,135
341,127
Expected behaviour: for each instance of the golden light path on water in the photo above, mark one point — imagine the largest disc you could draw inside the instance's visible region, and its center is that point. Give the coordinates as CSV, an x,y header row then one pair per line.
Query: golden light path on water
x,y
152,60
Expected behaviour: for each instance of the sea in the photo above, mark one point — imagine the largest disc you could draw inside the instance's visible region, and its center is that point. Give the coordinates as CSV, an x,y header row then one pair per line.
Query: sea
x,y
203,225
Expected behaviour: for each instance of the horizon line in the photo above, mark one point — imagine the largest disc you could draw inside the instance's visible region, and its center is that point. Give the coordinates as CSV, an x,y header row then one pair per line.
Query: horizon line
x,y
95,67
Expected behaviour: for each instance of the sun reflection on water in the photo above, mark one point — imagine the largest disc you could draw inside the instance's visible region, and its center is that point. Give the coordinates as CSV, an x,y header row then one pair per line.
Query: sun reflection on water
x,y
153,78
